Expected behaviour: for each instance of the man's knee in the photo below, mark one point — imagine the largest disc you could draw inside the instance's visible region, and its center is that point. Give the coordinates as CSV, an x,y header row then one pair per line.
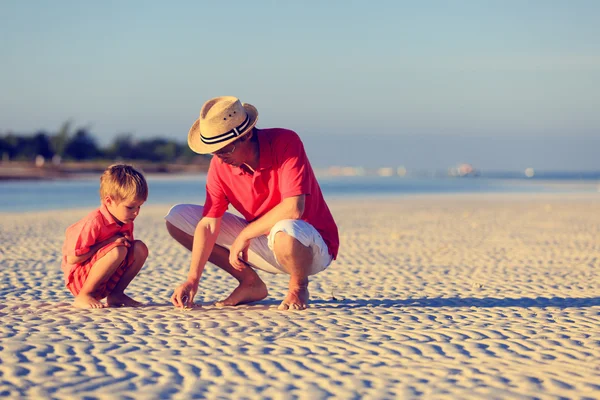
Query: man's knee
x,y
182,218
287,248
173,231
181,210
140,250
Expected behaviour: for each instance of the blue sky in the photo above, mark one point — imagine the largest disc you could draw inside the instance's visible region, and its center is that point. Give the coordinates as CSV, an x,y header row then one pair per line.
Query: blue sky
x,y
421,84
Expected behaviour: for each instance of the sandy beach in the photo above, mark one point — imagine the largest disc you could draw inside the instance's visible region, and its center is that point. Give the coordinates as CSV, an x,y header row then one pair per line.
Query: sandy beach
x,y
446,296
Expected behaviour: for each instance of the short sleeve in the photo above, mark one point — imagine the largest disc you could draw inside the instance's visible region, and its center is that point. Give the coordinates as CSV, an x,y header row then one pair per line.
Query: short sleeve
x,y
81,237
293,168
216,201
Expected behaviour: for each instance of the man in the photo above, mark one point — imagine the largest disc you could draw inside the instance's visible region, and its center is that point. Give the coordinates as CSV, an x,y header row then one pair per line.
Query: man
x,y
265,175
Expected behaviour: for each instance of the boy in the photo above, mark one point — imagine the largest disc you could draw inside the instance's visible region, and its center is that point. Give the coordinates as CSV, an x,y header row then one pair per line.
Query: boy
x,y
100,256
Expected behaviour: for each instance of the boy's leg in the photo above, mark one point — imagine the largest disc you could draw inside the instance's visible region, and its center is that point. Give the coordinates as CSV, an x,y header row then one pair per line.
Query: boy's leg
x,y
100,272
117,297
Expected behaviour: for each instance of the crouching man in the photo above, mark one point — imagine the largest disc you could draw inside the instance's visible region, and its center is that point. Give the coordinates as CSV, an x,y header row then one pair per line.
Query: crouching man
x,y
266,176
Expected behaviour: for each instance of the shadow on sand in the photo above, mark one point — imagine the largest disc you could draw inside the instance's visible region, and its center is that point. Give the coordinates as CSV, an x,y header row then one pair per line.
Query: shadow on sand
x,y
487,302
459,302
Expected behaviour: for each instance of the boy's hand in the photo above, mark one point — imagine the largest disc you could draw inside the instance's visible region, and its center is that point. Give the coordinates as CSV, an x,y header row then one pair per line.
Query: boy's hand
x,y
183,296
125,240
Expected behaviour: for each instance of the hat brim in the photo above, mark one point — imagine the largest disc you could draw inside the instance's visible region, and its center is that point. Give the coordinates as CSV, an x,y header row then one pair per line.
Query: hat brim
x,y
198,146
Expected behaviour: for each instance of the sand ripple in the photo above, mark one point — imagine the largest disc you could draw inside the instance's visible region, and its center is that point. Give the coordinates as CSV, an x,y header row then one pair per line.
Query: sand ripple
x,y
439,297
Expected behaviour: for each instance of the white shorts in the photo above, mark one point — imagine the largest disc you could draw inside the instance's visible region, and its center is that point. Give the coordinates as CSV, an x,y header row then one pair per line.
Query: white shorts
x,y
260,255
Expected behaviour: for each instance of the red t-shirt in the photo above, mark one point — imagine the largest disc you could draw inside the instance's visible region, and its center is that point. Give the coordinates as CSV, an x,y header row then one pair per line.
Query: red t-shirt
x,y
283,171
97,226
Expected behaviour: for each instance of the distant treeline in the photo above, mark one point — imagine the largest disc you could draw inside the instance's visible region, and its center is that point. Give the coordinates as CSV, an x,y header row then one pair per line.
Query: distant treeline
x,y
80,145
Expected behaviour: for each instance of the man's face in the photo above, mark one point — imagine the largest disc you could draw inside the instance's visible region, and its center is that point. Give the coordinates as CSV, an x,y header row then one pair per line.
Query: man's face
x,y
227,151
232,153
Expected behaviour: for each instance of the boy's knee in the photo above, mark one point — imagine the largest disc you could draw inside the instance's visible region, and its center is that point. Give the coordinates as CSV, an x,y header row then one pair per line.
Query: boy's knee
x,y
117,254
140,250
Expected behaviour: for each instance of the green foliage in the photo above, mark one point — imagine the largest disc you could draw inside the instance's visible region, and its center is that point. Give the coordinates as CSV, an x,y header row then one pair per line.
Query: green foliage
x,y
82,146
26,147
60,141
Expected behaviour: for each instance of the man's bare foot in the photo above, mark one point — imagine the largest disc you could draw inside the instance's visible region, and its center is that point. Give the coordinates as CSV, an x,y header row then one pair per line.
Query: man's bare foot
x,y
297,297
246,292
121,300
87,301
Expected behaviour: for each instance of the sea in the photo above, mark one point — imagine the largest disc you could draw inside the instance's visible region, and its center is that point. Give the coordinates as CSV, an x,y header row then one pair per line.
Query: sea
x,y
25,196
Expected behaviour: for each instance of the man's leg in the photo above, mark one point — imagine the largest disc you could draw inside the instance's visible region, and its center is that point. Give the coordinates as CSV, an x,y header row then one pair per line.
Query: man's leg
x,y
117,296
296,259
251,287
100,272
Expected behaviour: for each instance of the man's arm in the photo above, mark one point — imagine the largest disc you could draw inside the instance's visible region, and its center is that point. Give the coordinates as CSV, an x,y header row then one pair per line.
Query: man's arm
x,y
289,208
205,237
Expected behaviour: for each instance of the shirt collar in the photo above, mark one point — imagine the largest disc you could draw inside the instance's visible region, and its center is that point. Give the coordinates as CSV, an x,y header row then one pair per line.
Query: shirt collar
x,y
265,160
237,170
107,215
266,154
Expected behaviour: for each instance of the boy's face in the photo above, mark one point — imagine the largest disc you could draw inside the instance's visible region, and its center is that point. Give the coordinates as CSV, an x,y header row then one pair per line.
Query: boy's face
x,y
124,211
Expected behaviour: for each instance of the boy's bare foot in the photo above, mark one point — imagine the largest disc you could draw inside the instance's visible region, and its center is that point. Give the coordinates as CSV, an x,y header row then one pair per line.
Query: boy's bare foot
x,y
297,297
121,300
246,292
87,301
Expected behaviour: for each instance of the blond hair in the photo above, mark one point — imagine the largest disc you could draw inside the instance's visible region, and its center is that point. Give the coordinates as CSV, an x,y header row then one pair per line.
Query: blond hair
x,y
123,182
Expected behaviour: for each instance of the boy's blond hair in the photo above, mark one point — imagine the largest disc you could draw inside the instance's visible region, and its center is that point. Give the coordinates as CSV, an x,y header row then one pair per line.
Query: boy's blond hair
x,y
123,182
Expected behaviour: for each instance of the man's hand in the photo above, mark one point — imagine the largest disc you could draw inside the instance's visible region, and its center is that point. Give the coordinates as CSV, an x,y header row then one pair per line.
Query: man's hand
x,y
240,245
183,296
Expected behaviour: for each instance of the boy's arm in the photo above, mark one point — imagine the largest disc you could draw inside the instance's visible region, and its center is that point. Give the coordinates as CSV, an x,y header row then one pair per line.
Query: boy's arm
x,y
93,249
205,238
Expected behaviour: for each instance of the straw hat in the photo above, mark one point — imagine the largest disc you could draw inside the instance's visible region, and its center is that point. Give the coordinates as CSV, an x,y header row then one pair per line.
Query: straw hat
x,y
222,120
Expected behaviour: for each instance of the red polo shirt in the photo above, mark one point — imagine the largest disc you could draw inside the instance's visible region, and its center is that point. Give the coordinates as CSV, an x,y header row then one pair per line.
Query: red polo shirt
x,y
95,227
283,171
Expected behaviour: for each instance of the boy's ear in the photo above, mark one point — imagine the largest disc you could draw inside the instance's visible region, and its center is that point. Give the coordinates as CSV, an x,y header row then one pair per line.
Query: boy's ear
x,y
108,200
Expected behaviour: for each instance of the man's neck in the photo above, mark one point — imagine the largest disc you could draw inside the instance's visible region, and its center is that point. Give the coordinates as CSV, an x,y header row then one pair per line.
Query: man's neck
x,y
255,151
